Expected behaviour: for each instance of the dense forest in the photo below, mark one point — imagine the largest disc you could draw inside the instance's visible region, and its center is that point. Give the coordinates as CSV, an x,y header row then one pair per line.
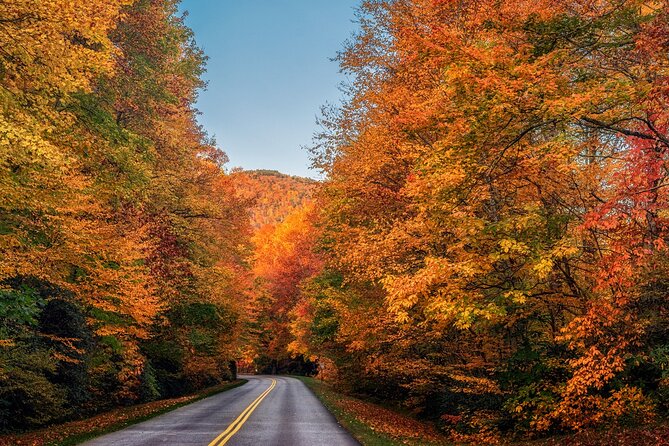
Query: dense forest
x,y
122,240
488,249
491,237
283,241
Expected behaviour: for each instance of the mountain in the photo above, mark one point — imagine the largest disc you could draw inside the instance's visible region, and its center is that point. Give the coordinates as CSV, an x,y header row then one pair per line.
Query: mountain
x,y
274,194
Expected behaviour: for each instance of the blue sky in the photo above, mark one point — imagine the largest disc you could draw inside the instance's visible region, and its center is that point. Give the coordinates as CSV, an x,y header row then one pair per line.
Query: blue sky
x,y
269,71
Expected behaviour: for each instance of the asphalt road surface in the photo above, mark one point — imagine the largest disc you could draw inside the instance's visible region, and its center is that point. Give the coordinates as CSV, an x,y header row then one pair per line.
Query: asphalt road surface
x,y
266,411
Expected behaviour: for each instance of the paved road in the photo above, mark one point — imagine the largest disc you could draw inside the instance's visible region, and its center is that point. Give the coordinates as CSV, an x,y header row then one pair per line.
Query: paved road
x,y
288,415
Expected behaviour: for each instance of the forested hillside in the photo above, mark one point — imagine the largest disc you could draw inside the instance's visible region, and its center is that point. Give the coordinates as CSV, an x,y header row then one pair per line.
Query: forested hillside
x,y
272,195
121,236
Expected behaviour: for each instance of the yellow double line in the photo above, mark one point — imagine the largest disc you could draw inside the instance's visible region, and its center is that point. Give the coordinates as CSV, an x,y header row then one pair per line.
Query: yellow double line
x,y
241,419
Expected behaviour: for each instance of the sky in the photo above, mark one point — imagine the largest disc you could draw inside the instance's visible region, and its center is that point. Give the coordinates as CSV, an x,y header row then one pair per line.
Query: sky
x,y
269,72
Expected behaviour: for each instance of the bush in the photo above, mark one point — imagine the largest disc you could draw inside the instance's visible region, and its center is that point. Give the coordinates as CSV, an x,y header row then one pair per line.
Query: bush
x,y
28,397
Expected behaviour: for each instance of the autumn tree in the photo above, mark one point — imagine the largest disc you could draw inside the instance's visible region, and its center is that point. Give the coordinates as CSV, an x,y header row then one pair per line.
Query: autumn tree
x,y
197,227
284,258
120,231
60,238
495,183
272,195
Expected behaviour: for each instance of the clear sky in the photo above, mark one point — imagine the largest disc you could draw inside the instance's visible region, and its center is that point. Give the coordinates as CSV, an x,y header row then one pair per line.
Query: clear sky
x,y
269,71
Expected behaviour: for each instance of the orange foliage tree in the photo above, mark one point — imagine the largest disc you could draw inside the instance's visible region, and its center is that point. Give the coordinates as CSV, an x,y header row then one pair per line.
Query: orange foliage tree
x,y
284,257
496,185
123,244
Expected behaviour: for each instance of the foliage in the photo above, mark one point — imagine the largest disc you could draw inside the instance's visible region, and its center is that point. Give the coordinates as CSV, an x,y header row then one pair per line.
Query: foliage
x,y
116,212
493,223
284,258
273,195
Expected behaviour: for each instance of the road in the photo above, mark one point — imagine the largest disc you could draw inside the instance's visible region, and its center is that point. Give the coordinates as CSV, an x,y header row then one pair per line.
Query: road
x,y
266,411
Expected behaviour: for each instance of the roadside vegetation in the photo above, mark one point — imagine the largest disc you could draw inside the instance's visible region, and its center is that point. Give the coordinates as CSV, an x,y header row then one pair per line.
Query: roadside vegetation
x,y
122,241
372,424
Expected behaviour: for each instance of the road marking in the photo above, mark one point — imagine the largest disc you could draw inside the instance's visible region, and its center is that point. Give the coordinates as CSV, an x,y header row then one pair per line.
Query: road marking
x,y
241,419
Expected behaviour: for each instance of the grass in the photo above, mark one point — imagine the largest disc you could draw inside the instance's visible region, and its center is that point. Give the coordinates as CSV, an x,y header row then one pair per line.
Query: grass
x,y
76,432
371,424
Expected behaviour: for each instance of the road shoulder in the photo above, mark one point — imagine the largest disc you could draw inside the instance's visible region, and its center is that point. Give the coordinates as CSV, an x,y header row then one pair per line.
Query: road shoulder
x,y
371,424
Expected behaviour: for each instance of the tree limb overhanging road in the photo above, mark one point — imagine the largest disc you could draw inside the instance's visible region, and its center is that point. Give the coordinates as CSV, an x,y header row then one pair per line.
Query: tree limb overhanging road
x,y
265,411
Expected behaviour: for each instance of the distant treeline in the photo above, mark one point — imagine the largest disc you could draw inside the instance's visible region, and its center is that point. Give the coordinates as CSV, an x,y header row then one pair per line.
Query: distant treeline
x,y
272,195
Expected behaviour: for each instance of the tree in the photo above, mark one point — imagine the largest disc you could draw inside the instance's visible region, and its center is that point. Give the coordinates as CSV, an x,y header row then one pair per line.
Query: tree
x,y
285,258
116,210
495,181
